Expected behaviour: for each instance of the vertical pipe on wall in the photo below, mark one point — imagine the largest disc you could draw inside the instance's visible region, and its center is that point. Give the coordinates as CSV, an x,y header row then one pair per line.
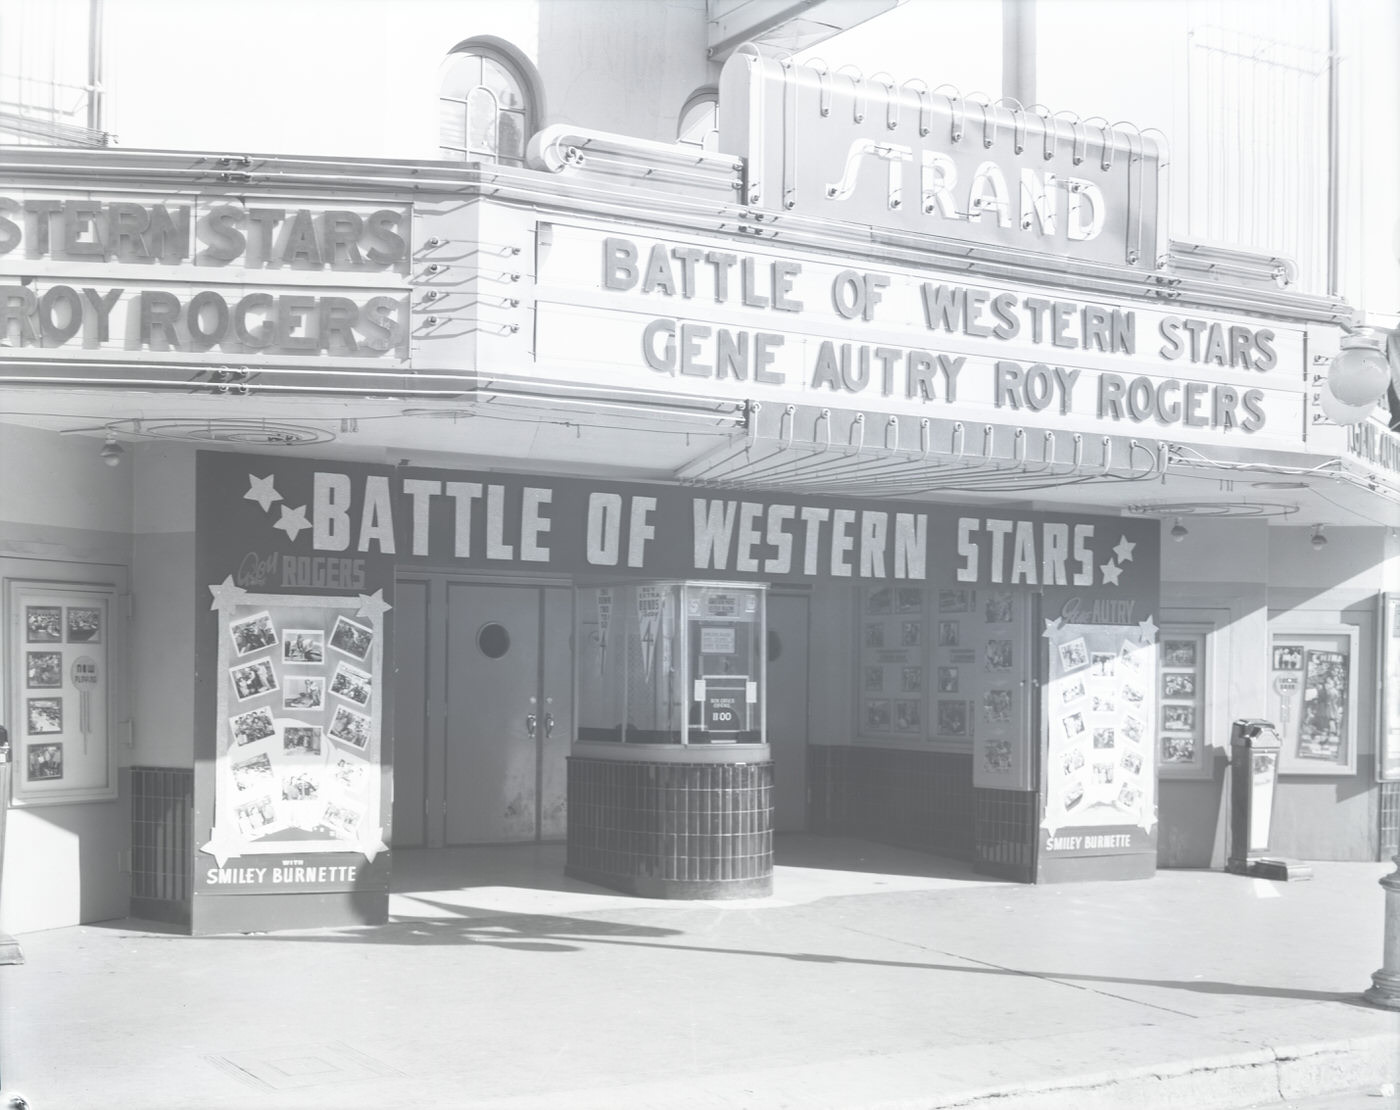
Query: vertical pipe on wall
x,y
1018,50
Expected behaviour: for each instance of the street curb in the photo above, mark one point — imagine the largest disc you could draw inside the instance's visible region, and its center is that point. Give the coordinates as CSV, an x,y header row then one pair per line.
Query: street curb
x,y
1224,1082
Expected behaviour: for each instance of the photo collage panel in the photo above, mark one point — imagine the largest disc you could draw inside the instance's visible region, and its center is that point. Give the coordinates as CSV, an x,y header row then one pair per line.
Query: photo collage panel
x,y
893,663
1181,681
63,676
1099,701
300,752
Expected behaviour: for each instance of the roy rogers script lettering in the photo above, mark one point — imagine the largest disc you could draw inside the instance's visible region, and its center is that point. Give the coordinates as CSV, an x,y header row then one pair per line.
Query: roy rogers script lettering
x,y
675,346
217,235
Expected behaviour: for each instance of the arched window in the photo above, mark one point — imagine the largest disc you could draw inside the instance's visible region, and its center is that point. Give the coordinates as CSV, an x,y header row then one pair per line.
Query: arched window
x,y
488,104
699,120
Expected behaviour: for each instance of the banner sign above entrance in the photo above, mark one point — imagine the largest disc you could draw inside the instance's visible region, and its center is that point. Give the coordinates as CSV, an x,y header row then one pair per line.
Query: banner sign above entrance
x,y
327,525
905,159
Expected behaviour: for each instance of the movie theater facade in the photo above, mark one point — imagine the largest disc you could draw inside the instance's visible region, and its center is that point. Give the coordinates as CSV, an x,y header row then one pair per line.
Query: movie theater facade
x,y
656,501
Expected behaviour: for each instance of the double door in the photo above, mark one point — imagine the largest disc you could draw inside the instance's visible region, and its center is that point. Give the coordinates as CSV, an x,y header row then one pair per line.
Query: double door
x,y
483,711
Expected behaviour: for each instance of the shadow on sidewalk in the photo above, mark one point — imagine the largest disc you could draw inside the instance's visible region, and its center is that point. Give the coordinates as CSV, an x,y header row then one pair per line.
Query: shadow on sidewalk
x,y
555,933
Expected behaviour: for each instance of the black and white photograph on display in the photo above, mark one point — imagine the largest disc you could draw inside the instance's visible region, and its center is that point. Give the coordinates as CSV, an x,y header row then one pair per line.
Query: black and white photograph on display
x,y
1103,737
256,818
1101,664
343,821
352,638
1178,748
996,706
84,624
1073,655
874,635
43,624
908,715
1178,653
1132,763
303,647
910,633
352,684
349,775
45,715
301,739
1129,661
1133,728
1102,703
955,601
43,670
998,655
909,599
253,633
303,692
947,633
1103,773
911,679
1072,796
253,774
998,607
1128,796
1071,691
1072,760
45,762
1178,718
877,715
947,680
1288,657
250,727
253,679
997,756
1131,695
952,718
874,679
300,785
1073,725
1178,685
350,727
878,602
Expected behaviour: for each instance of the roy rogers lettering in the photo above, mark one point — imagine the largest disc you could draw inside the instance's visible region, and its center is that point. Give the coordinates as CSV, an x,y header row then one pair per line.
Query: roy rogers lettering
x,y
342,513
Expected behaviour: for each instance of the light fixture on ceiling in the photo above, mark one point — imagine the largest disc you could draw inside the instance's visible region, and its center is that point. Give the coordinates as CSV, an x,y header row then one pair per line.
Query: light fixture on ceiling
x,y
1179,531
112,451
1319,541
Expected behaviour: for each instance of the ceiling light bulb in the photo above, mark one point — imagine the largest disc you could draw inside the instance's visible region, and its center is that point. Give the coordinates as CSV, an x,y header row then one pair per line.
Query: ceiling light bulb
x,y
1318,540
1179,531
112,451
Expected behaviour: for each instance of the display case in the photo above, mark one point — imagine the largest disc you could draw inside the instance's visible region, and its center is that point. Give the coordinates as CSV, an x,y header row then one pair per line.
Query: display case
x,y
671,663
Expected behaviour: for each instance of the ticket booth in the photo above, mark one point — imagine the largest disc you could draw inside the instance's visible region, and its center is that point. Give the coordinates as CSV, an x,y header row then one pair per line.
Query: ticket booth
x,y
670,780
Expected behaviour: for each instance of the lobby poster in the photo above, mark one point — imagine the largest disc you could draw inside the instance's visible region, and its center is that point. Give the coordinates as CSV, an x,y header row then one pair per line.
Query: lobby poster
x,y
291,791
1100,721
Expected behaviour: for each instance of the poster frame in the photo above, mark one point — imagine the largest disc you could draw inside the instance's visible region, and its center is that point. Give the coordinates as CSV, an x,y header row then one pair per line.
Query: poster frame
x,y
21,594
1313,636
1388,688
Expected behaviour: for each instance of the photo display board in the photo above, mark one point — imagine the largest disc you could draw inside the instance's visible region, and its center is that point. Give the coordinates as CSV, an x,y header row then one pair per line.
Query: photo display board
x,y
948,668
291,792
1312,697
59,692
1182,691
1100,713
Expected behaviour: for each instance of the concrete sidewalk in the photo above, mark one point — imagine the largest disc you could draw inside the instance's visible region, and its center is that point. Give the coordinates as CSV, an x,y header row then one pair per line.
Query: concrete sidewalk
x,y
872,978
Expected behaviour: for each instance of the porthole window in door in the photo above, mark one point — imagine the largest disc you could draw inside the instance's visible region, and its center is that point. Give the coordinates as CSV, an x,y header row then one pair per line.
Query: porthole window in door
x,y
493,640
775,645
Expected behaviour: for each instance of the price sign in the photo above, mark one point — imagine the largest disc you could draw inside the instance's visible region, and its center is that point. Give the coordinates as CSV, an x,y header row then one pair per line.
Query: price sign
x,y
726,704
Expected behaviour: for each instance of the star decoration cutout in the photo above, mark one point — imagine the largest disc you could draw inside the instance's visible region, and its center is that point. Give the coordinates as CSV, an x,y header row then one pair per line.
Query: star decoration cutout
x,y
261,491
371,843
373,605
224,844
1147,631
293,521
1051,627
227,596
1110,571
1124,550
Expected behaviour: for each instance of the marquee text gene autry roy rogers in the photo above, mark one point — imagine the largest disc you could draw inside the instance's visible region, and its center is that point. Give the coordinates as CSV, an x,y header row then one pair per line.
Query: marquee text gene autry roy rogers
x,y
511,524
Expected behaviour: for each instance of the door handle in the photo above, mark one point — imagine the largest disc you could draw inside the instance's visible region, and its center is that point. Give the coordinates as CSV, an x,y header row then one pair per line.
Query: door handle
x,y
548,725
531,723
